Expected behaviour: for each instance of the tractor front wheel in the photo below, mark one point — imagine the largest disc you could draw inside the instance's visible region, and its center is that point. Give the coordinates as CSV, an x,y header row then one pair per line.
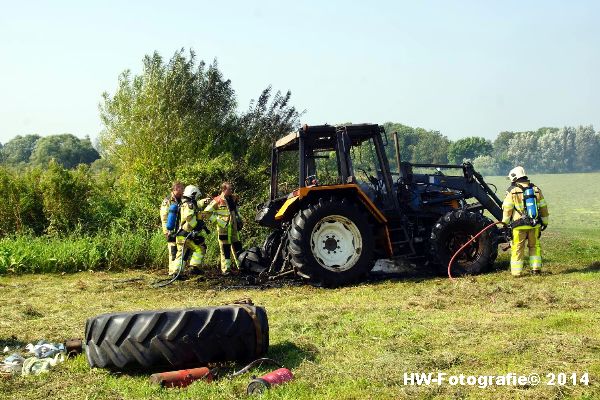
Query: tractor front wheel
x,y
451,232
331,242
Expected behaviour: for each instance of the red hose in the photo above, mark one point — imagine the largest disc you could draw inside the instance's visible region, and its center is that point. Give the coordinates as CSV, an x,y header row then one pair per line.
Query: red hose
x,y
464,246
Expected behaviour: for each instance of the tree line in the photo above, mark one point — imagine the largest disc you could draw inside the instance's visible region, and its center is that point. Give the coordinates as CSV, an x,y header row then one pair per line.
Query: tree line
x,y
34,150
546,150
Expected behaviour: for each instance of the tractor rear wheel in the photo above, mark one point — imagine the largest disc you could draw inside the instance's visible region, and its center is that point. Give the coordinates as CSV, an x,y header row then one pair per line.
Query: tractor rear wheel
x,y
455,229
331,242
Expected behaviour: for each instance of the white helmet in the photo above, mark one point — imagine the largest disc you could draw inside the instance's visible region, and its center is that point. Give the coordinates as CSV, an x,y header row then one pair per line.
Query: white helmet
x,y
516,173
191,192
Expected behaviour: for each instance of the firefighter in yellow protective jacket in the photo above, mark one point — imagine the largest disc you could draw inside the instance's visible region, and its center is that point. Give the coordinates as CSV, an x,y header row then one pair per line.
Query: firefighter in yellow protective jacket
x,y
173,198
189,239
223,211
526,212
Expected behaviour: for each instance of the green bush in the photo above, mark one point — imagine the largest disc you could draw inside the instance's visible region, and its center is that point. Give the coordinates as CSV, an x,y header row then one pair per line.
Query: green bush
x,y
59,201
60,220
21,209
64,195
9,206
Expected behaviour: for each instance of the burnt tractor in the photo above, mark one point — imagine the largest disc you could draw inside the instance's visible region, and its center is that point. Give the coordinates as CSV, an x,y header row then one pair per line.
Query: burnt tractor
x,y
336,207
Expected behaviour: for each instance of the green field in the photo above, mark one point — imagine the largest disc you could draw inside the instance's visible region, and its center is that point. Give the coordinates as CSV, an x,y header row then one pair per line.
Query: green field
x,y
574,201
357,342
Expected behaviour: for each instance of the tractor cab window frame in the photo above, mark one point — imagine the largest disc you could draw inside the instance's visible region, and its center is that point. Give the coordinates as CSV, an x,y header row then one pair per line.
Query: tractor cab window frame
x,y
320,163
285,168
366,166
375,181
326,156
312,170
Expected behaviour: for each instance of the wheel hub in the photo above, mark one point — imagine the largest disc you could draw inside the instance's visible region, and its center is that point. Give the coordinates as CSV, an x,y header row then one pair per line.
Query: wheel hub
x,y
330,244
336,243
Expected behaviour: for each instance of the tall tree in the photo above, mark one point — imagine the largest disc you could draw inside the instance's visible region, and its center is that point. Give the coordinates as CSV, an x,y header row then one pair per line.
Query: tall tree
x,y
432,147
173,113
546,129
417,144
587,149
178,119
487,165
266,120
407,139
500,152
556,151
523,150
469,148
18,150
67,150
551,153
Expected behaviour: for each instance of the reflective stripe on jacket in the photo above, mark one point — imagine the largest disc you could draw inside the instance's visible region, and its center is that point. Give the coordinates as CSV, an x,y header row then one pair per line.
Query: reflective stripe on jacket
x,y
218,212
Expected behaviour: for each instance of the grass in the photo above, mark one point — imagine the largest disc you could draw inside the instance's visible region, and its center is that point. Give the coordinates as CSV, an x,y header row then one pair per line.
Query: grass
x,y
357,342
112,251
25,254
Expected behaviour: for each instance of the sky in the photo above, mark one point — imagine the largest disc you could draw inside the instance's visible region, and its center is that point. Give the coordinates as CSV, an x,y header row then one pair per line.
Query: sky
x,y
464,68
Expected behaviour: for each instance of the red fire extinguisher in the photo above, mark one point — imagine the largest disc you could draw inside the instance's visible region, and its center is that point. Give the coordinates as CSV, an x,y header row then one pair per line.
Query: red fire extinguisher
x,y
274,378
182,378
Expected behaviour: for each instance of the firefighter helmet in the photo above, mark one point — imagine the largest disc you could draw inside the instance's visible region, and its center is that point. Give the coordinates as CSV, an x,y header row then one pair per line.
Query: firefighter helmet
x,y
191,192
516,173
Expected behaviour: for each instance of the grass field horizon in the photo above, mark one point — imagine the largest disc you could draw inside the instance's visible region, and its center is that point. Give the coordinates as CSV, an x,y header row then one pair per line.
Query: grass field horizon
x,y
358,341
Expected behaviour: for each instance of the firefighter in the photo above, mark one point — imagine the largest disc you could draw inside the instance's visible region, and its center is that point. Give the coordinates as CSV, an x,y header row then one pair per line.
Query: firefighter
x,y
173,198
526,212
189,239
223,211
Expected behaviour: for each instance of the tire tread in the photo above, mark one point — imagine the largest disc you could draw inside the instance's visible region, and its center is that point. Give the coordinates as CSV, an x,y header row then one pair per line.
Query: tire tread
x,y
174,338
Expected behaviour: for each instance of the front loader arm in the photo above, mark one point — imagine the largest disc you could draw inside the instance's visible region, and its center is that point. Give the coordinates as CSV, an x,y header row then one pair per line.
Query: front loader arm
x,y
486,196
471,184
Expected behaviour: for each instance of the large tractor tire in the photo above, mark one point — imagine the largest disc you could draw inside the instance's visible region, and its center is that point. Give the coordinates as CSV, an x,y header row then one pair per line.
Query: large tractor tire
x,y
175,339
331,242
451,232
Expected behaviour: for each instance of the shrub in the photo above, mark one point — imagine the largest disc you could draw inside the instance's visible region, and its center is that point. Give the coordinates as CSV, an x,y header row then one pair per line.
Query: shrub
x,y
21,210
64,197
